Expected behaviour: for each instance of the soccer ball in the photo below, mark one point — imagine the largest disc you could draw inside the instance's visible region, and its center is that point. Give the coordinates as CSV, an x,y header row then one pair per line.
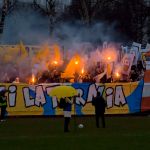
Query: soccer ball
x,y
80,126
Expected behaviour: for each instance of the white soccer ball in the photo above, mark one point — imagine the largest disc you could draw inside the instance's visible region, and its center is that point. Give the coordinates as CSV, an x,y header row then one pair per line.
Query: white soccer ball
x,y
80,126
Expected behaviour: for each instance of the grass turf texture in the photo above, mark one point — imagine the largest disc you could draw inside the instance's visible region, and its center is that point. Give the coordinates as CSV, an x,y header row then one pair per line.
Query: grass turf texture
x,y
121,133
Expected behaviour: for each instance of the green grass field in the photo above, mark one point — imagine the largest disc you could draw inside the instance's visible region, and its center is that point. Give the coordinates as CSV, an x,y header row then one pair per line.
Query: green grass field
x,y
121,133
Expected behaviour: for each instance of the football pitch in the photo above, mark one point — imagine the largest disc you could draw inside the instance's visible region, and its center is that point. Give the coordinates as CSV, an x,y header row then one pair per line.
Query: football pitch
x,y
121,133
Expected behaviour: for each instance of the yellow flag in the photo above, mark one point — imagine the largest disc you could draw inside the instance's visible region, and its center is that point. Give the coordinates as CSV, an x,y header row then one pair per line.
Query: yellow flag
x,y
23,51
42,54
9,53
74,66
109,70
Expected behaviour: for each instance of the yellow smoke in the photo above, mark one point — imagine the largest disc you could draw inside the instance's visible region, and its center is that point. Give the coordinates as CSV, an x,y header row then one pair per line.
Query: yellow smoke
x,y
43,55
57,56
10,54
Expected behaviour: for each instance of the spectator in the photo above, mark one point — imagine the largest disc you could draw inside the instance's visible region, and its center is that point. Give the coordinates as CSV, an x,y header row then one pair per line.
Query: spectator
x,y
3,104
67,113
16,80
99,103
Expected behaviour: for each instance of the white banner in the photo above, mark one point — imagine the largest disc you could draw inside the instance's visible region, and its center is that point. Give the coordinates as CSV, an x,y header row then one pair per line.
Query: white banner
x,y
127,62
136,50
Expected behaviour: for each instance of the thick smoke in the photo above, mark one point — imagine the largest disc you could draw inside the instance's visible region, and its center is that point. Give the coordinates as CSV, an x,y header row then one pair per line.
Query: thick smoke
x,y
32,27
23,23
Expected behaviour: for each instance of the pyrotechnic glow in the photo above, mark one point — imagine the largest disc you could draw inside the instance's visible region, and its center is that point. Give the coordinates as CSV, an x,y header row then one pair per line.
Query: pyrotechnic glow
x,y
55,62
76,62
33,78
74,66
109,58
82,71
117,75
117,71
109,54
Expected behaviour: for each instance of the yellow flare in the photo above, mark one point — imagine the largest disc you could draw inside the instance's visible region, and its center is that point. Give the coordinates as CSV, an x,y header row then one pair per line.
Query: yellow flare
x,y
82,71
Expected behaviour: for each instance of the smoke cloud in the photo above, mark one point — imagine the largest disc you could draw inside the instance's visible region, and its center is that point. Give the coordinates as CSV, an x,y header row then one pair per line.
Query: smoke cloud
x,y
32,27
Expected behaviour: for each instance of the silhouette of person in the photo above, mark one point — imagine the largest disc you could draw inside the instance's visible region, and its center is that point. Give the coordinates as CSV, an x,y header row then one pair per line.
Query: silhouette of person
x,y
3,104
67,113
99,103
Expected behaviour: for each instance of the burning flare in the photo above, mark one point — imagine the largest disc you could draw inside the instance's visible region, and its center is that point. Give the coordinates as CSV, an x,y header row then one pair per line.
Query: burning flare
x,y
117,75
82,71
76,62
55,62
33,79
109,58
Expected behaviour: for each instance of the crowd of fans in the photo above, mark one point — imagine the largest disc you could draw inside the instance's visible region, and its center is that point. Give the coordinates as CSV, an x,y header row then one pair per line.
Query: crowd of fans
x,y
54,76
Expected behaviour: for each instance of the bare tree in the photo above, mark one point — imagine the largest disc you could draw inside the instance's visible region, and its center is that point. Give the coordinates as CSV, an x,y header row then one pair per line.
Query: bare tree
x,y
6,5
51,11
88,10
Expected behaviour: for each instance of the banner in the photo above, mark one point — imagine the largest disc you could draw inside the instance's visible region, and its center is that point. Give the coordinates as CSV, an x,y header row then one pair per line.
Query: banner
x,y
121,98
127,62
136,50
147,47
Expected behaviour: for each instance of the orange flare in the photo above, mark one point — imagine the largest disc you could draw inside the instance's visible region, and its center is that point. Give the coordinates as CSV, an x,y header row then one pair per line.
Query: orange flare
x,y
55,62
117,75
109,58
82,71
76,62
33,78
